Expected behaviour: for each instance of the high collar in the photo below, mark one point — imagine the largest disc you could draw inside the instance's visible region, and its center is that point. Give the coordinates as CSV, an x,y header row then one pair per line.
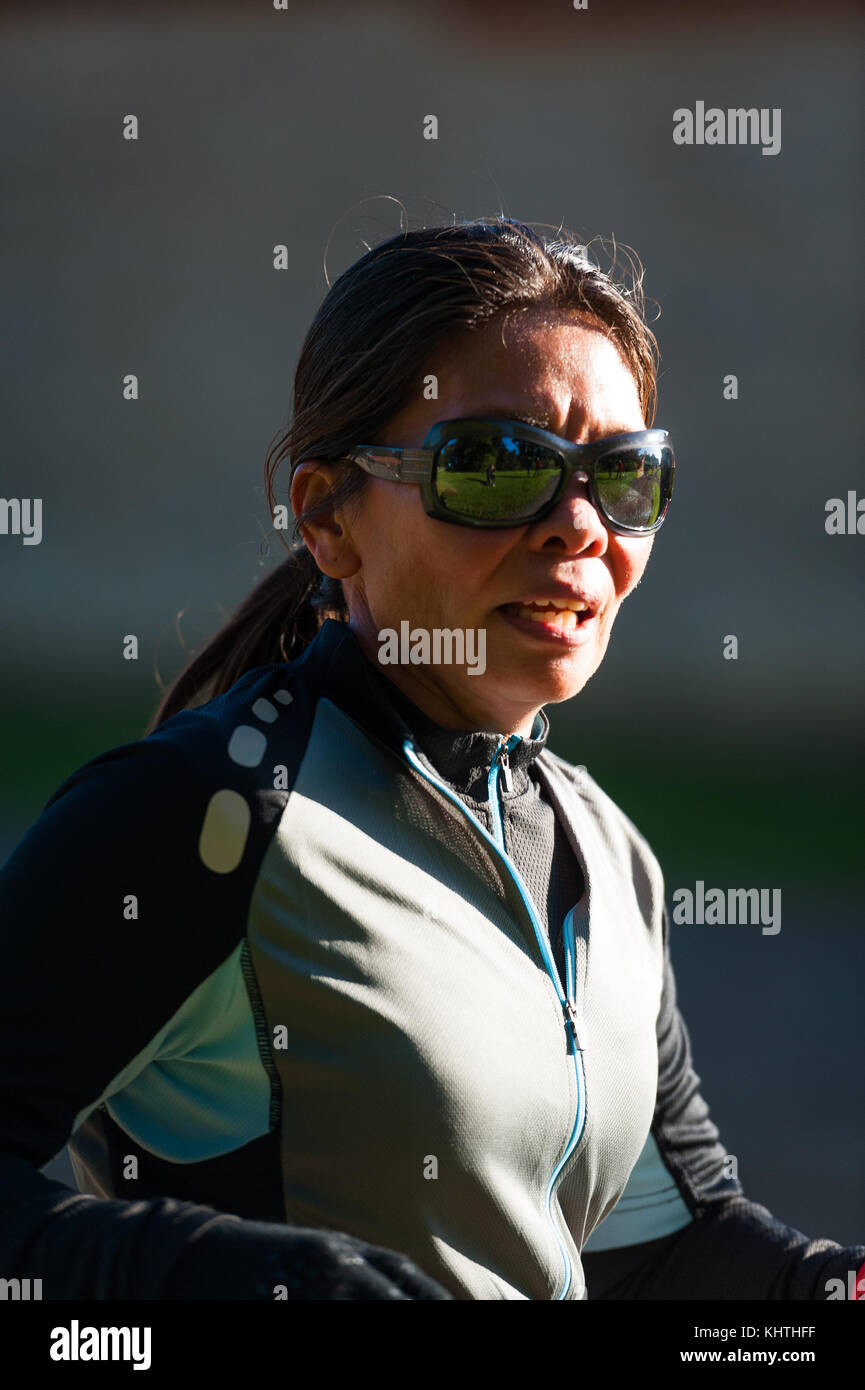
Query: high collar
x,y
339,668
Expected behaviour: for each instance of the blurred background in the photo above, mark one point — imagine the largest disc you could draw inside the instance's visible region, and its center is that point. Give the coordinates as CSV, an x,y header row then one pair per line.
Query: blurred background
x,y
304,126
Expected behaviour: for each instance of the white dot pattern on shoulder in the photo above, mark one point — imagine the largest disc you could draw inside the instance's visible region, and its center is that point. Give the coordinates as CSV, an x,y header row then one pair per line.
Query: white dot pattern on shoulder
x,y
225,831
284,697
264,710
246,746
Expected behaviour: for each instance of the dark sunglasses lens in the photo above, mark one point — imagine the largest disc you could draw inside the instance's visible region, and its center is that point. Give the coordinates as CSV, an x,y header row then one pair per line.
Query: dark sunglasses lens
x,y
634,484
493,477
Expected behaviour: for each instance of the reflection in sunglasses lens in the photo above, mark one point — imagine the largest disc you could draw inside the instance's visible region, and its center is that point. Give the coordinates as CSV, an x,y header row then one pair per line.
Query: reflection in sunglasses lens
x,y
631,483
488,475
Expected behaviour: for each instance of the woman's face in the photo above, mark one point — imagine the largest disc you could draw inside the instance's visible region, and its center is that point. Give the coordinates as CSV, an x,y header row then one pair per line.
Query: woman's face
x,y
397,564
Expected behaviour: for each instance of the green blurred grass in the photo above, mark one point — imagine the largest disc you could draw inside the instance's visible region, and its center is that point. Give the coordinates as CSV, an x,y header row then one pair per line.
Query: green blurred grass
x,y
42,743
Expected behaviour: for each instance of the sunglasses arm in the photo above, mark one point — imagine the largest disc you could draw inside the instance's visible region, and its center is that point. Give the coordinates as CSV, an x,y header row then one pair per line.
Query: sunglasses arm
x,y
398,465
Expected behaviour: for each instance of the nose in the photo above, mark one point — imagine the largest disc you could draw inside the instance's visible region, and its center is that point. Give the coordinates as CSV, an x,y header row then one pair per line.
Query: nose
x,y
574,522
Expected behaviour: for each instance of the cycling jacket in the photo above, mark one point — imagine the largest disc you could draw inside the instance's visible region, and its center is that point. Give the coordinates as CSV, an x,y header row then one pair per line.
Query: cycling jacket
x,y
304,957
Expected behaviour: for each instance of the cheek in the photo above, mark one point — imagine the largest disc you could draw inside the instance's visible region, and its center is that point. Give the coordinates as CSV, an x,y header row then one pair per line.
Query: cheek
x,y
404,551
388,533
629,562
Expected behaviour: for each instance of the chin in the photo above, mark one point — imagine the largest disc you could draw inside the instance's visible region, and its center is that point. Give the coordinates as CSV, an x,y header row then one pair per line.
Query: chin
x,y
551,687
566,689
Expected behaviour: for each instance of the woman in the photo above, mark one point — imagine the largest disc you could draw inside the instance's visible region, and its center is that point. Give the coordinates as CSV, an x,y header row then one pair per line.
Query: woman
x,y
340,984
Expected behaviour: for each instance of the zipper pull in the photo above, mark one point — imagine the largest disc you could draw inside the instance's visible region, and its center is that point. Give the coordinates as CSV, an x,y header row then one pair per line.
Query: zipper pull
x,y
507,779
571,1022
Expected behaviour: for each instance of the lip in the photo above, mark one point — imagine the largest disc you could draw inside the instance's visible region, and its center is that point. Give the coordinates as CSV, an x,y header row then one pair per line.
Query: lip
x,y
592,601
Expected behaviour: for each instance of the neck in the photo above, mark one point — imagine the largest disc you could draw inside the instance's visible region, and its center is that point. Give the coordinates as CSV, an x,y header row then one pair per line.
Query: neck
x,y
457,713
459,710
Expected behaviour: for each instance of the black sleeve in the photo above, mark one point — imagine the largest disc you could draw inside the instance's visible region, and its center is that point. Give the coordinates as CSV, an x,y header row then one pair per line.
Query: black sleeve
x,y
731,1248
83,989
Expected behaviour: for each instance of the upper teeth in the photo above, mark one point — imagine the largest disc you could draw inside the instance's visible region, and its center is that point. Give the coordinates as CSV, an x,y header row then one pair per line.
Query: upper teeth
x,y
574,603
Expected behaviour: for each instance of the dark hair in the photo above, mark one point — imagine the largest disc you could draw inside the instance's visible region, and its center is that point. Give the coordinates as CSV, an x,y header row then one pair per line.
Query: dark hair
x,y
362,360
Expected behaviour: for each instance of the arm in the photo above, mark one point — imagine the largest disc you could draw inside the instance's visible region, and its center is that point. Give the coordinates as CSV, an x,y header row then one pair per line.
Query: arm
x,y
684,1230
85,990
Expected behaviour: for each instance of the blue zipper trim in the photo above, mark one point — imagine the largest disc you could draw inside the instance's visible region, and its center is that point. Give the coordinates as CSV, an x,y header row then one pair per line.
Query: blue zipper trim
x,y
493,790
567,1001
580,1117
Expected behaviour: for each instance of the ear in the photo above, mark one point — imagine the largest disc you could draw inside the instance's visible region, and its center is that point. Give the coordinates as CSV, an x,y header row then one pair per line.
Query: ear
x,y
326,535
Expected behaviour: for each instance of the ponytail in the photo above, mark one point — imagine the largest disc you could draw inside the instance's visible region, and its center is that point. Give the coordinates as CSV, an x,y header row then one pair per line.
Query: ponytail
x,y
275,622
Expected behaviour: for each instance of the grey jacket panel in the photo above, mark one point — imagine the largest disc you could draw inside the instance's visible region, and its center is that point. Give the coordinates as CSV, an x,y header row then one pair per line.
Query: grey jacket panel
x,y
416,1024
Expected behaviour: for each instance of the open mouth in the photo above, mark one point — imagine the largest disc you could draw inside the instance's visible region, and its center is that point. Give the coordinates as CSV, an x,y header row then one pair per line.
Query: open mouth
x,y
556,615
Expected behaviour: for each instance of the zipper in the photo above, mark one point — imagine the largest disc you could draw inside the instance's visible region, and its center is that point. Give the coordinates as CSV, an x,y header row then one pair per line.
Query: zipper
x,y
500,761
567,1000
505,765
569,936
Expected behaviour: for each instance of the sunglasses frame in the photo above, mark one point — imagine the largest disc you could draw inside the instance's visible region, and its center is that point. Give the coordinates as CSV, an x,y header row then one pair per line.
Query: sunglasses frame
x,y
417,466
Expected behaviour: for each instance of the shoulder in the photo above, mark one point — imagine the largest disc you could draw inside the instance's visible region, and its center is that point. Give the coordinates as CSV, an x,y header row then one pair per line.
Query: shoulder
x,y
592,794
616,828
235,738
190,803
223,743
169,830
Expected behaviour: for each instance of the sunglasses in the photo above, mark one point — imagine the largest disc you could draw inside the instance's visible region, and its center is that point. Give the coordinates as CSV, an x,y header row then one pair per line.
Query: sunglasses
x,y
498,473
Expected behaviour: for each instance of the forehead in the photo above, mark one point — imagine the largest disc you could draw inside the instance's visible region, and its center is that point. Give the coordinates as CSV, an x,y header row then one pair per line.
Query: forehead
x,y
554,365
